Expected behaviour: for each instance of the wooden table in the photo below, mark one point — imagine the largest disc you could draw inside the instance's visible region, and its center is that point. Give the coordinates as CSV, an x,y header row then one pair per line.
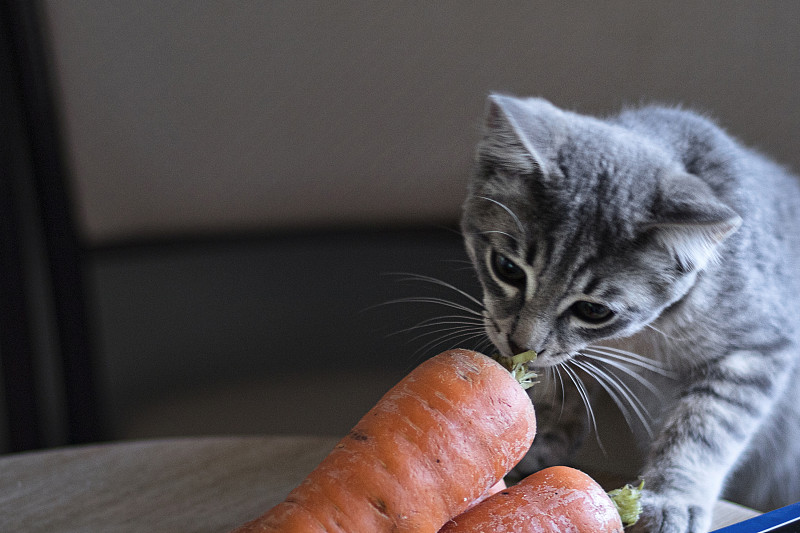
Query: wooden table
x,y
200,485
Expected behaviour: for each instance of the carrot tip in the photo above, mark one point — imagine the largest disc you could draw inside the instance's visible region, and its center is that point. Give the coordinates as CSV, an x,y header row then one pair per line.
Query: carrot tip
x,y
628,503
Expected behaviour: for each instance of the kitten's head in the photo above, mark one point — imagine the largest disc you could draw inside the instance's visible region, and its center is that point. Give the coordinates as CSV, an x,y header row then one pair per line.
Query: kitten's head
x,y
581,230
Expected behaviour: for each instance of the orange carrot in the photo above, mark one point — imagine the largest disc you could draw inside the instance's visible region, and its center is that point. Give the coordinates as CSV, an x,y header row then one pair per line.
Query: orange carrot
x,y
553,500
494,489
436,442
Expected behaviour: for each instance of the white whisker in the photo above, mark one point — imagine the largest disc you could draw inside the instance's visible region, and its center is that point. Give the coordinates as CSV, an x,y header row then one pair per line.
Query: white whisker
x,y
433,300
463,329
463,336
622,368
465,326
632,358
446,320
507,210
665,335
462,265
500,233
556,370
484,345
584,394
408,276
622,395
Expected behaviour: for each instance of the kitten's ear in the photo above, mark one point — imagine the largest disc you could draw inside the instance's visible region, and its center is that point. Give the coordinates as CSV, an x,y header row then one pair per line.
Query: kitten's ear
x,y
519,134
690,221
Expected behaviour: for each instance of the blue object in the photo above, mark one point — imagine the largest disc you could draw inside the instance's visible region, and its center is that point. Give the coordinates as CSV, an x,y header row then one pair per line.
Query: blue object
x,y
783,520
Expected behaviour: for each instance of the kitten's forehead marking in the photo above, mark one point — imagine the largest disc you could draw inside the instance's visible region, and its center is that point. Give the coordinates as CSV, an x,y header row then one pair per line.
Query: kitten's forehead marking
x,y
586,282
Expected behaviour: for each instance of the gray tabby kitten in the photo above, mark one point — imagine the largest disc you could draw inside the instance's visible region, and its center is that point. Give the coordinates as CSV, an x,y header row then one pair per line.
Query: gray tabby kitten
x,y
653,239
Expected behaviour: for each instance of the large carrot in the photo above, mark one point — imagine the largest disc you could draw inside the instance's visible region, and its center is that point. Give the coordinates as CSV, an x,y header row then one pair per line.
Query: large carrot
x,y
434,443
554,500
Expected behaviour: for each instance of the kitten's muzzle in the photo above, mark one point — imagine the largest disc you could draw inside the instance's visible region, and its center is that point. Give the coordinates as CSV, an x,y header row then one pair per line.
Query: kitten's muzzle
x,y
515,348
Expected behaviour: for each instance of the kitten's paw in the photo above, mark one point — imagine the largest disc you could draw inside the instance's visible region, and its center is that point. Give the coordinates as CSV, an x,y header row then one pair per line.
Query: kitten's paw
x,y
672,514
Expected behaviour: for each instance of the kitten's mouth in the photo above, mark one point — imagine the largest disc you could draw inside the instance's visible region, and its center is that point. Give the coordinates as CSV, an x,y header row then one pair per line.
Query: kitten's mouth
x,y
544,359
516,349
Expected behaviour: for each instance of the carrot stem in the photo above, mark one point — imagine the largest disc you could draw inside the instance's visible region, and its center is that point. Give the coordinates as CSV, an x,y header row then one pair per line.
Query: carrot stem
x,y
518,366
628,502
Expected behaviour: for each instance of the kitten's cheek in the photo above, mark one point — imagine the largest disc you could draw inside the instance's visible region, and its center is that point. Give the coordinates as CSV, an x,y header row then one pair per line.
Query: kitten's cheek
x,y
494,336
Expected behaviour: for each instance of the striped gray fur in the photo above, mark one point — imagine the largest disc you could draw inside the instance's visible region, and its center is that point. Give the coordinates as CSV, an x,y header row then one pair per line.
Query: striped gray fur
x,y
648,243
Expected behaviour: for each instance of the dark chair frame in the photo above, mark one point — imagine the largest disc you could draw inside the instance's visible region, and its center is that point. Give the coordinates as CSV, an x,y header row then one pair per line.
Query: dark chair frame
x,y
32,159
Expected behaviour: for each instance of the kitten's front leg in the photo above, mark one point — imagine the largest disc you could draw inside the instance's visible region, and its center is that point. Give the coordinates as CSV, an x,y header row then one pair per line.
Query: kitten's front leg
x,y
561,427
717,415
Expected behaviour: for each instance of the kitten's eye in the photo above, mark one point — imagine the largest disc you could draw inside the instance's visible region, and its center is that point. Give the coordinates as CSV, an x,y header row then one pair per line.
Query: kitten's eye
x,y
592,312
507,270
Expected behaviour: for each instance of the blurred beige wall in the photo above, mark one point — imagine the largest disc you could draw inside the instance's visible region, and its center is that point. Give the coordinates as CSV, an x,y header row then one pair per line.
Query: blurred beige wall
x,y
189,117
